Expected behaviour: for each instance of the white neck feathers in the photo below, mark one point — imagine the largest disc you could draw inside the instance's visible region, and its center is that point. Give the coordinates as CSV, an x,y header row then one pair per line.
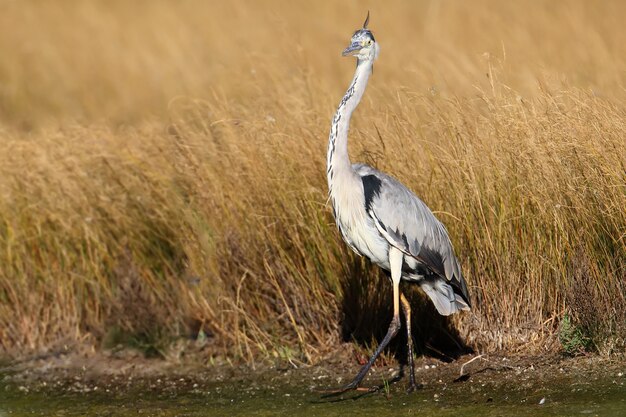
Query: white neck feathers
x,y
338,161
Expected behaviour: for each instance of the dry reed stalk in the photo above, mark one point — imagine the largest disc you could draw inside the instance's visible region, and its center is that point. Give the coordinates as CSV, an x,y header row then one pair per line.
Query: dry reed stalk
x,y
127,205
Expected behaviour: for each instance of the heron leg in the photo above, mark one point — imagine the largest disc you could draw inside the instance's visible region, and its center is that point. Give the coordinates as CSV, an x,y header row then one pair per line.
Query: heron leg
x,y
395,261
406,309
391,332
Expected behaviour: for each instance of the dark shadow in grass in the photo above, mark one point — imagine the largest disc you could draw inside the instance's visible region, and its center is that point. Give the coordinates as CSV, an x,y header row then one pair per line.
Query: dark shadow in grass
x,y
367,308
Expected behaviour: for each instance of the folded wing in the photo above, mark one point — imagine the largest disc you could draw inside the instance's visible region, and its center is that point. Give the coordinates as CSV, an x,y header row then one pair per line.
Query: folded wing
x,y
409,225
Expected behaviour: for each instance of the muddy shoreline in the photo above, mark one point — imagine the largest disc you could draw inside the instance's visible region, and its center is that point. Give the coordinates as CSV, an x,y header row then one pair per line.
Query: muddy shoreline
x,y
126,383
128,370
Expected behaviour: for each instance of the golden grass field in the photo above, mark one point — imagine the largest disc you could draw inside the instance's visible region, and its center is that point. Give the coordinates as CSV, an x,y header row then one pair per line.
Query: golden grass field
x,y
162,172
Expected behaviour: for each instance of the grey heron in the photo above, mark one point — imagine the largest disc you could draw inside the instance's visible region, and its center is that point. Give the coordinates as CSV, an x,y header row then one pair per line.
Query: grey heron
x,y
378,217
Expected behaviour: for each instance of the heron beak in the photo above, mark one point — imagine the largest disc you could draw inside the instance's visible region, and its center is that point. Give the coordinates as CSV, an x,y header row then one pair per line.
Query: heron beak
x,y
352,49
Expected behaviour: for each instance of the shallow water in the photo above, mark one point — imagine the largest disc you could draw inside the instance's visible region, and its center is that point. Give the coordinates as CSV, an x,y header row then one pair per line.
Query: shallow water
x,y
489,396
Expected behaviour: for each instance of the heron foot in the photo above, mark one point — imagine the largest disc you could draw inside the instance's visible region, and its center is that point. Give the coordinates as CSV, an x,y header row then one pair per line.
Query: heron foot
x,y
350,387
413,387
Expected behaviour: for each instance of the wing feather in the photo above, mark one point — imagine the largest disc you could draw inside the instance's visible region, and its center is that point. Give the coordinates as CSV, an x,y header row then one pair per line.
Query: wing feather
x,y
409,225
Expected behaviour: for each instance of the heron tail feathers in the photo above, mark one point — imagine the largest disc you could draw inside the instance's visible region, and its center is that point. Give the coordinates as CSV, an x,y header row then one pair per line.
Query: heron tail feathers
x,y
444,298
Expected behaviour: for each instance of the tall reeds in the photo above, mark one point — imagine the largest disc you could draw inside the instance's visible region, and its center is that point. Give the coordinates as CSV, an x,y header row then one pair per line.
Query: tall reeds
x,y
162,171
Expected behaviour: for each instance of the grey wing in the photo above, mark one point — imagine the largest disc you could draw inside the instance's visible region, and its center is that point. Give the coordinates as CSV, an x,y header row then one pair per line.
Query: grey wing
x,y
408,224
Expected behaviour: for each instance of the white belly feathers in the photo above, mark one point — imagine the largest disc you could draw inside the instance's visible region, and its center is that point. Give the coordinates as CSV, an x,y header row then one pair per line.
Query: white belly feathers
x,y
360,233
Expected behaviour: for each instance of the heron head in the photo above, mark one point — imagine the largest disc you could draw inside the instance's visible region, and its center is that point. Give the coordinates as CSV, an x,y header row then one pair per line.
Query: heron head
x,y
362,45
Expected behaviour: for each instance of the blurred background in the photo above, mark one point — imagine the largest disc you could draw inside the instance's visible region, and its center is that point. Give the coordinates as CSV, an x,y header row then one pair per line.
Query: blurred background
x,y
162,178
123,61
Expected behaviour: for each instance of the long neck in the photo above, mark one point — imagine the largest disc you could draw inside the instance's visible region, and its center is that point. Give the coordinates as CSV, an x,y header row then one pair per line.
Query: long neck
x,y
338,161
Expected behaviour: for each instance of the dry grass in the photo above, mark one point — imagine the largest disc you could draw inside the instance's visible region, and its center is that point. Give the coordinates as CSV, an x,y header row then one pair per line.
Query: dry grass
x,y
162,170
